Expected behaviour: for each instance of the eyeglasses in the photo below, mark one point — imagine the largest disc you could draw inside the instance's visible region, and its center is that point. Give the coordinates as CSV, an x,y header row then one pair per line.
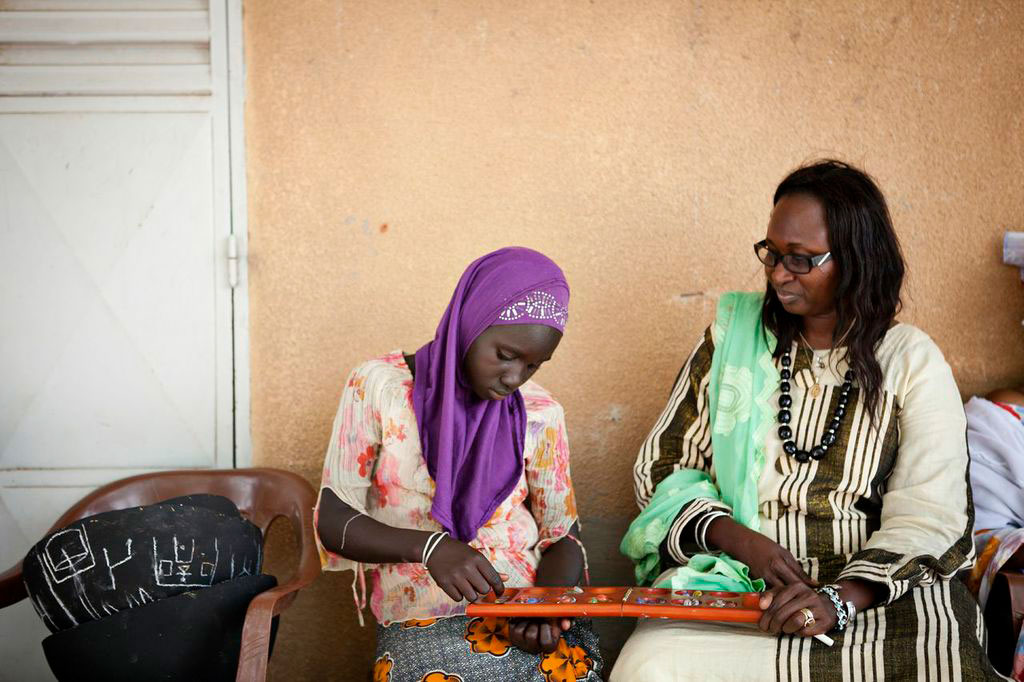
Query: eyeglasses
x,y
796,263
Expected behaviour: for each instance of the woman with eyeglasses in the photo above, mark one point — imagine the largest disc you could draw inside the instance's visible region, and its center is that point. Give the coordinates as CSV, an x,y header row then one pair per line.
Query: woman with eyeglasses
x,y
814,448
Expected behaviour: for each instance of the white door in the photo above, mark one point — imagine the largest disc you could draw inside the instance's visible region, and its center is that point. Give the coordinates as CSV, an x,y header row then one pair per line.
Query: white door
x,y
116,185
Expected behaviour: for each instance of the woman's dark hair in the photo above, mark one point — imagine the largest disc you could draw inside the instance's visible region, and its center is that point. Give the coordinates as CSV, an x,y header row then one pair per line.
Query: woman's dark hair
x,y
871,268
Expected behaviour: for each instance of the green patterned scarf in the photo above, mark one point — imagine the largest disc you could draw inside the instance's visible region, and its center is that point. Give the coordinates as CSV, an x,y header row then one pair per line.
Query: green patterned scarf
x,y
743,379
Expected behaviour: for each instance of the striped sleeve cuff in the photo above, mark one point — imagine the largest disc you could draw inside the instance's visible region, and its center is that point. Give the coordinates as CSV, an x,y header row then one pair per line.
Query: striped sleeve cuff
x,y
700,513
896,577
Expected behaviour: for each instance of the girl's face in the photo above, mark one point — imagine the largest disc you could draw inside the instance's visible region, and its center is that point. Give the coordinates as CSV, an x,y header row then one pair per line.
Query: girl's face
x,y
503,357
797,225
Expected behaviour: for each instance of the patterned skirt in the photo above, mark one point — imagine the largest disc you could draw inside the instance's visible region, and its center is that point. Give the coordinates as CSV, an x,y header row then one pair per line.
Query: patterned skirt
x,y
462,649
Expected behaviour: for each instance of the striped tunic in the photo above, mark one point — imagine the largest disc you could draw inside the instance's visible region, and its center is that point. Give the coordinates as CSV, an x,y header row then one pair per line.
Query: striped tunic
x,y
889,504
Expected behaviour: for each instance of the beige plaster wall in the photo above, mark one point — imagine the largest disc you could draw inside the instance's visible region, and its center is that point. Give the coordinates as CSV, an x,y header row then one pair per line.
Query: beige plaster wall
x,y
638,144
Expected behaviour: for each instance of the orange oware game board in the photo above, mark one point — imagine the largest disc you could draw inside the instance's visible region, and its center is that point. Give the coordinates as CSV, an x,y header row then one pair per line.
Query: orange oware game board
x,y
627,602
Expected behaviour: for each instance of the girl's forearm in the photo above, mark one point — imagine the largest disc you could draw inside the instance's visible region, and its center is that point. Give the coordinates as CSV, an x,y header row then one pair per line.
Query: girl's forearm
x,y
356,536
561,565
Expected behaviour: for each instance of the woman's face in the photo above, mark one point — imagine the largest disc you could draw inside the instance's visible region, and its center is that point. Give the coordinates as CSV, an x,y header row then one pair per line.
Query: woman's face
x,y
797,225
503,357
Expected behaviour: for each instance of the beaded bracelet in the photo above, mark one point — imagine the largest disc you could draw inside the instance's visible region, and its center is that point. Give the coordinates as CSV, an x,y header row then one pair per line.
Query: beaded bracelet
x,y
842,616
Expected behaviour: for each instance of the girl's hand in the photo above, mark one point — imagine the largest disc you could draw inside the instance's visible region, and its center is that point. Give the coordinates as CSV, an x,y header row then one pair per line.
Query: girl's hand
x,y
534,635
783,611
767,559
462,572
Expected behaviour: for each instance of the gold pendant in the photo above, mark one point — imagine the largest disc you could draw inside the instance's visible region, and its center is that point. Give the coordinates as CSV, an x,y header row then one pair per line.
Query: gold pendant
x,y
815,391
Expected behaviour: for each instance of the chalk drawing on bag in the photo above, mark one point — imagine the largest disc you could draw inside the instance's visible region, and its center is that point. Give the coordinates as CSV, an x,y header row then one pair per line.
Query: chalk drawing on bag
x,y
41,611
67,554
246,568
132,600
56,597
185,565
112,566
83,598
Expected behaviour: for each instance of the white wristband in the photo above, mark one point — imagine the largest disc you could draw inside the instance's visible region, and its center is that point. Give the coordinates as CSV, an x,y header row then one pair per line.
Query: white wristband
x,y
432,544
426,546
705,524
344,529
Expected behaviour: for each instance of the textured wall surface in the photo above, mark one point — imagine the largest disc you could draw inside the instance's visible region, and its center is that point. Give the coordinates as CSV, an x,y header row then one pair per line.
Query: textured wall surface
x,y
638,144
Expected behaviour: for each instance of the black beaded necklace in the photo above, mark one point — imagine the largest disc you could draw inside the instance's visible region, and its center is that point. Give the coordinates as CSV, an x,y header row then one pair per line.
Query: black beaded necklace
x,y
786,401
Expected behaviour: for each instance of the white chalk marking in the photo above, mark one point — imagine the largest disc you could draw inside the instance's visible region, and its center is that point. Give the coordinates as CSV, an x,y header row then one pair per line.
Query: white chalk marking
x,y
83,598
41,611
111,567
181,571
78,560
54,593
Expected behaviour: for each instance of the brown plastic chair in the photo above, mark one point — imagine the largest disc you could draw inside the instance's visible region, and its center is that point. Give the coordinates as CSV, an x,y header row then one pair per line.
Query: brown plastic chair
x,y
1004,615
261,495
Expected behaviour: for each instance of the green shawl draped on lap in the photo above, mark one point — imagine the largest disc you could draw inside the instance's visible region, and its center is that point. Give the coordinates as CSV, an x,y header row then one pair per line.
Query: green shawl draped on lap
x,y
743,379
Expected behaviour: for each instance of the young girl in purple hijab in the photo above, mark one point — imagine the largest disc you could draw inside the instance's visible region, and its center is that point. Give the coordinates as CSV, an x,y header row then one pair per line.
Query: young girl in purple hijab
x,y
447,476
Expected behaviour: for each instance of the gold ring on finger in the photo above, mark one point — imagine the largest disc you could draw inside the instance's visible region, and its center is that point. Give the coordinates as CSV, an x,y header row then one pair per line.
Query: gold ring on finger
x,y
808,617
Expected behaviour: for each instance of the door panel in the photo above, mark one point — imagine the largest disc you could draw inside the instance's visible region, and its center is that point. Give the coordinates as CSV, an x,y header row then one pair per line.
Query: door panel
x,y
120,127
116,346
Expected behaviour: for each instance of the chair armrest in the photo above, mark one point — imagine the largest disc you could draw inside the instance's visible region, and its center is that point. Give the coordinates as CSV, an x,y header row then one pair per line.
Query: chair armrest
x,y
1004,614
12,587
254,652
1015,584
255,649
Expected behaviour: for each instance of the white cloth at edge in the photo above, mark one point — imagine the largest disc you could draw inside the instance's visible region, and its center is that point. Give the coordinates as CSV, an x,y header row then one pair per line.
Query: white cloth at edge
x,y
996,443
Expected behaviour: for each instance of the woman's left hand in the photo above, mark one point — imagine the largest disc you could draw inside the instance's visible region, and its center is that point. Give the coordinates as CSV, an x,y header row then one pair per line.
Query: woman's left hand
x,y
535,635
782,611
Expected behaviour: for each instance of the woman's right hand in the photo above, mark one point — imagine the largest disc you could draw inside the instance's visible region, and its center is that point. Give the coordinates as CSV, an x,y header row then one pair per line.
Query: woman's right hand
x,y
766,558
462,572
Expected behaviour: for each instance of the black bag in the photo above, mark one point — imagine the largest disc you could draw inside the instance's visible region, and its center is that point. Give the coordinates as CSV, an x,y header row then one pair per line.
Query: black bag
x,y
193,637
105,564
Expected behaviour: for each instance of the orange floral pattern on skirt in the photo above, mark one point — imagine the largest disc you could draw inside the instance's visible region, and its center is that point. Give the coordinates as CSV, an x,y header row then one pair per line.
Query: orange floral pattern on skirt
x,y
566,663
414,623
382,668
488,636
440,676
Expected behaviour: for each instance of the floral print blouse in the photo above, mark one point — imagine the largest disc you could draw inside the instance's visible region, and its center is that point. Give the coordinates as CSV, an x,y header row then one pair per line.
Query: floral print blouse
x,y
375,464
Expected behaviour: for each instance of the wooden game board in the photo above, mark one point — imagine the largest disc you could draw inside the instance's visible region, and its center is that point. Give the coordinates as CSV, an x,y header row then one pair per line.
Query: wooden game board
x,y
627,602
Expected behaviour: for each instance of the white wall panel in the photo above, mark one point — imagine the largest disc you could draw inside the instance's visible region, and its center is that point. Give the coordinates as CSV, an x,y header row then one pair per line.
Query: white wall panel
x,y
117,185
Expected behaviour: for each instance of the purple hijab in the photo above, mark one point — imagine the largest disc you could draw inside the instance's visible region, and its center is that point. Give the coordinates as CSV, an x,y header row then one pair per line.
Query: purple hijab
x,y
473,447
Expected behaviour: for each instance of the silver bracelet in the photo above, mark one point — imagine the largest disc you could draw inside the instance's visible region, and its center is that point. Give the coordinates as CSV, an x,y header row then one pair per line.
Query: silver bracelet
x,y
344,529
701,538
426,546
842,615
432,542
